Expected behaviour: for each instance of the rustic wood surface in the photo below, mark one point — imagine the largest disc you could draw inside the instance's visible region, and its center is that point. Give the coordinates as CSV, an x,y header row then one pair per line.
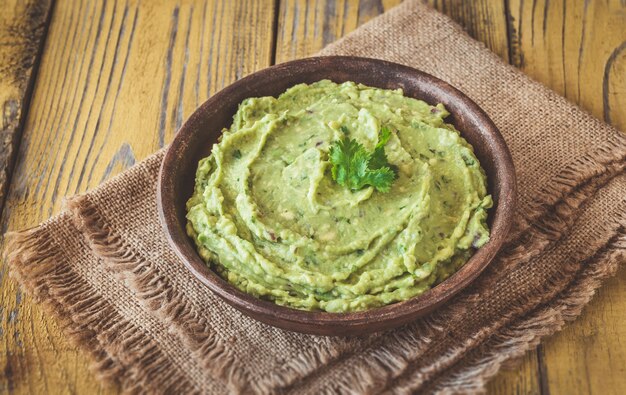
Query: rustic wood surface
x,y
116,79
23,26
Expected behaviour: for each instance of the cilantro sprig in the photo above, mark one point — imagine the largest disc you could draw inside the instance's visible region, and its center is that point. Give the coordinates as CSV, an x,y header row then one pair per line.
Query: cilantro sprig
x,y
355,168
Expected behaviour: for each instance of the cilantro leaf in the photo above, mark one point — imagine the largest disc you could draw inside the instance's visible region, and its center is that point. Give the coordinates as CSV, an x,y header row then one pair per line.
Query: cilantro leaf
x,y
378,159
381,179
355,168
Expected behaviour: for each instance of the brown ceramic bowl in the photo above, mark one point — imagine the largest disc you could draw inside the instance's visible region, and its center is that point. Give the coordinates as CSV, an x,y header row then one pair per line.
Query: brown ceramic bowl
x,y
196,137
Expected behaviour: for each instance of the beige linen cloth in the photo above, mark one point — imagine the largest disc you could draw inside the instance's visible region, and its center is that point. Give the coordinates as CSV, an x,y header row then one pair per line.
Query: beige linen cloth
x,y
104,269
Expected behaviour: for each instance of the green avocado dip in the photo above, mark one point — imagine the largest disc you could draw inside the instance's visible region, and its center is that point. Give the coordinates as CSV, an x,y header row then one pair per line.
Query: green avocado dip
x,y
280,219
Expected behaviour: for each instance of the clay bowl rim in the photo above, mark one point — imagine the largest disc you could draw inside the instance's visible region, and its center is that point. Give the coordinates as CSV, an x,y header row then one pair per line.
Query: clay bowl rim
x,y
319,322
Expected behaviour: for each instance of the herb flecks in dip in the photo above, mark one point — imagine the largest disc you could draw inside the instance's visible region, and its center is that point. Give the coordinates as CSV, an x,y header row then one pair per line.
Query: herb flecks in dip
x,y
270,218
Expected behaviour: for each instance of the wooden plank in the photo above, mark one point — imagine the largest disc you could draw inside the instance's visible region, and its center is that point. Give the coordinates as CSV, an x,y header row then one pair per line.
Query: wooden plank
x,y
576,48
23,25
579,50
520,377
589,356
484,20
116,80
305,27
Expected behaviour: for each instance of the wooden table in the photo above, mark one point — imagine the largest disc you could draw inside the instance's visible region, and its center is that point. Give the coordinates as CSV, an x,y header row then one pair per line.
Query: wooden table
x,y
90,87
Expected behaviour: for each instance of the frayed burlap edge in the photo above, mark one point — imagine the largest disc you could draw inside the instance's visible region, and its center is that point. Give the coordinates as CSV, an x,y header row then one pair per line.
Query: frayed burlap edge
x,y
38,262
156,292
610,153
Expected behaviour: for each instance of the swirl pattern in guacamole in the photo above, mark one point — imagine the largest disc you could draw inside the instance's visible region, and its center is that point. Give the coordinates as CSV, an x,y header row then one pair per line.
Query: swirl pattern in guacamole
x,y
268,216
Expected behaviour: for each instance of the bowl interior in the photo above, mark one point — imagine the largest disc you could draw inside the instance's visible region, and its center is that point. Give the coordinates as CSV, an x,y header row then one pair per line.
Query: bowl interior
x,y
196,137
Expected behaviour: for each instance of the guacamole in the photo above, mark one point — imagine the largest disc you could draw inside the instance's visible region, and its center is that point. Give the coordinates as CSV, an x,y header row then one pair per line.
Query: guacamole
x,y
269,217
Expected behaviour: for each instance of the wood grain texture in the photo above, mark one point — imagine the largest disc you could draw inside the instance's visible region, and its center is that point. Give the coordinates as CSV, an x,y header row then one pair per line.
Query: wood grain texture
x,y
589,356
578,48
305,27
519,377
116,80
485,20
22,31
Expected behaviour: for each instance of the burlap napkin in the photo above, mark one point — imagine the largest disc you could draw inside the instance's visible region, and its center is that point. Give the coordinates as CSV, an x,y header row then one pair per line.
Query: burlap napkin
x,y
104,269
